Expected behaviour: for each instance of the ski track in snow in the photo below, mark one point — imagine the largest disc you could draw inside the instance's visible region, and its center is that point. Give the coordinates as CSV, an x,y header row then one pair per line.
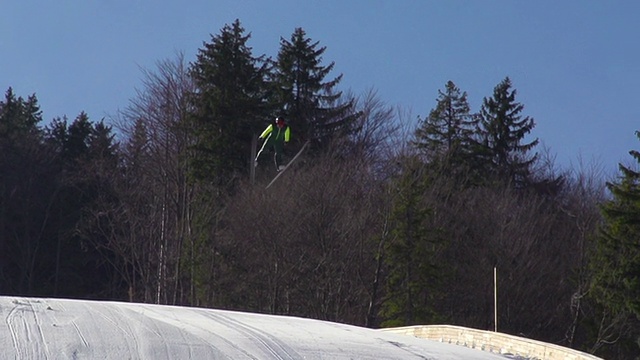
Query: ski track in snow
x,y
278,349
12,330
225,347
26,332
124,330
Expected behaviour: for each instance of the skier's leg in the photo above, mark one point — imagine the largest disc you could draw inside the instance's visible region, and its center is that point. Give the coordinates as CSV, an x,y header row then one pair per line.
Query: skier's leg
x,y
277,148
275,159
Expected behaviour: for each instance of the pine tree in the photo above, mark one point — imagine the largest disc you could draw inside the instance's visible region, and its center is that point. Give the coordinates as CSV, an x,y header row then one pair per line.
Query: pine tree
x,y
413,277
502,130
25,187
25,190
18,117
445,137
77,140
229,104
311,104
616,262
87,157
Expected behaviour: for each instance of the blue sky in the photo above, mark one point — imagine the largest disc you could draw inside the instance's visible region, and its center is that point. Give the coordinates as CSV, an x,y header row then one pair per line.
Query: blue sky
x,y
575,63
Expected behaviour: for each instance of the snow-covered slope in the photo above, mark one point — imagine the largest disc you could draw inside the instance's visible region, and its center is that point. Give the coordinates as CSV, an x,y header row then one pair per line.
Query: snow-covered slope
x,y
36,328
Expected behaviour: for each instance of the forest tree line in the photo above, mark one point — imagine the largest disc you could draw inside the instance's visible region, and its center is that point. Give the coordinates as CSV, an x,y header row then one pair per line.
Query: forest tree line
x,y
376,224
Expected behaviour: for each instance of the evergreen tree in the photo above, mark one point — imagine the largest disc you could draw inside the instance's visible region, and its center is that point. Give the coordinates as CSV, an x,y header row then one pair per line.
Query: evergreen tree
x,y
102,145
445,137
19,119
26,188
136,152
310,102
87,158
502,130
229,104
412,277
76,141
616,264
18,116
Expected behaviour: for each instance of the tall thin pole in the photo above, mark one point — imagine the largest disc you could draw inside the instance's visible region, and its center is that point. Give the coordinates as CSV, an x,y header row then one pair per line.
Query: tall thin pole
x,y
495,299
252,167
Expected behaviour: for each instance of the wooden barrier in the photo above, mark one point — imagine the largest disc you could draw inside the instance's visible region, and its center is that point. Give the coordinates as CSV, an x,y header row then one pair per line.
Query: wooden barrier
x,y
493,342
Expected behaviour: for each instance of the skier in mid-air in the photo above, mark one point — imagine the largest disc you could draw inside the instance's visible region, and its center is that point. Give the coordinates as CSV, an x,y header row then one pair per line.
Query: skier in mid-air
x,y
275,137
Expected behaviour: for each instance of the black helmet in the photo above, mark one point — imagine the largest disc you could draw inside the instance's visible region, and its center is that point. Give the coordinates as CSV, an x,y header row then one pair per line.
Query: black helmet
x,y
279,120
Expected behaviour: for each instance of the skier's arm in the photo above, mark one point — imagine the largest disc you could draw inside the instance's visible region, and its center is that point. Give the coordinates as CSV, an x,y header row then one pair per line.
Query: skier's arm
x,y
266,131
287,134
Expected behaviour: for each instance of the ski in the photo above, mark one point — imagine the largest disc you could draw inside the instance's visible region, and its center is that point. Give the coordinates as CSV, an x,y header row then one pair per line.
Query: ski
x,y
288,164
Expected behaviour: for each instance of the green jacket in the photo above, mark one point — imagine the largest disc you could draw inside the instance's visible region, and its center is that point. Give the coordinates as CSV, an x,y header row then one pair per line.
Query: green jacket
x,y
275,134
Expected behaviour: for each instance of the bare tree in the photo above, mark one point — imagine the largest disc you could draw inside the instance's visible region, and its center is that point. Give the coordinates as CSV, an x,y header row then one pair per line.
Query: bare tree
x,y
531,241
584,192
157,206
304,246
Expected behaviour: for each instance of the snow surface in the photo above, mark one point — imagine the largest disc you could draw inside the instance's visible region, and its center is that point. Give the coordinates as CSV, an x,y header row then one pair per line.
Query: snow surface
x,y
36,328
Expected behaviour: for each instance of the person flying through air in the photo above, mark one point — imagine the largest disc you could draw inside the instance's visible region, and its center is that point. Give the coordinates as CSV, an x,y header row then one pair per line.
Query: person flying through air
x,y
275,137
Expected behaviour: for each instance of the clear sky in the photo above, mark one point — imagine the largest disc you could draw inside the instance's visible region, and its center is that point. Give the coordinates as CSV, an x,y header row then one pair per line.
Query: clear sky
x,y
575,63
